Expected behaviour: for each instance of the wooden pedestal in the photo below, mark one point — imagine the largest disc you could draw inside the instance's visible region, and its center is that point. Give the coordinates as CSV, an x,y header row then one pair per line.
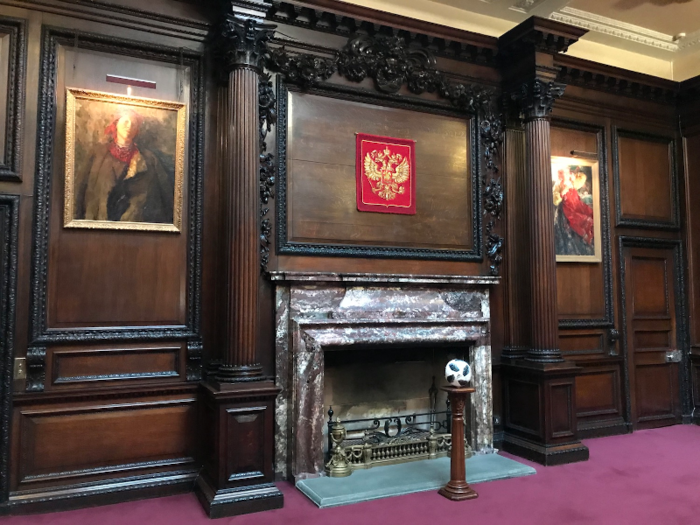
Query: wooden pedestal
x,y
457,489
237,434
540,412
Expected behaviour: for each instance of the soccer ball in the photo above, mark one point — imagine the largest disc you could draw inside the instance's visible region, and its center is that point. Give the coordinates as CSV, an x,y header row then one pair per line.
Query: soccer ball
x,y
458,373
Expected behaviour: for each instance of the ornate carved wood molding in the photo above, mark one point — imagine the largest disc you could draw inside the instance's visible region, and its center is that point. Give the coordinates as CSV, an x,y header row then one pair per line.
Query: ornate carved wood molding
x,y
9,226
14,69
392,65
493,199
267,113
441,40
536,98
303,69
388,61
240,43
36,374
41,335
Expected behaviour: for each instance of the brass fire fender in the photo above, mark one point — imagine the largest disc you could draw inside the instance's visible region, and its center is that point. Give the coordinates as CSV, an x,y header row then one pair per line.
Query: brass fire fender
x,y
416,446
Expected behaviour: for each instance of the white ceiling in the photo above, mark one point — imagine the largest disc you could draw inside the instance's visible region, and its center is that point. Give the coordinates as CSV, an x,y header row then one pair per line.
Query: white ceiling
x,y
641,35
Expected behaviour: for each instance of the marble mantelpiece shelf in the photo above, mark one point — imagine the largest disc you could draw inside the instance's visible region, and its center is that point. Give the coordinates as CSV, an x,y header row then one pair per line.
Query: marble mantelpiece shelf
x,y
386,278
338,321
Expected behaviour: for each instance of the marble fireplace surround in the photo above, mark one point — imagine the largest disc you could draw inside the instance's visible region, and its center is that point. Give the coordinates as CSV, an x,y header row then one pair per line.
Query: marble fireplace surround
x,y
317,310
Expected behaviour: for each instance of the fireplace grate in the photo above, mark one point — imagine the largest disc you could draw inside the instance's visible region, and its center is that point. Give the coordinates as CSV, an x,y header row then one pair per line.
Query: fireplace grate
x,y
365,443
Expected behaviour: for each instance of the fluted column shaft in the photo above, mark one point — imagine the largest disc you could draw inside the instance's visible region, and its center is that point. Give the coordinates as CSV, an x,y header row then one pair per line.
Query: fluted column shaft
x,y
239,47
544,345
242,236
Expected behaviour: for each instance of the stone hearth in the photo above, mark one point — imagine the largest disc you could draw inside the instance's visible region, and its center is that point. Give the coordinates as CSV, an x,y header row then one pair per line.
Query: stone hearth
x,y
319,310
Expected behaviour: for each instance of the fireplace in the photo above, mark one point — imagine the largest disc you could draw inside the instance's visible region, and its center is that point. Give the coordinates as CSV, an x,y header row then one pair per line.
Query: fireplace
x,y
318,312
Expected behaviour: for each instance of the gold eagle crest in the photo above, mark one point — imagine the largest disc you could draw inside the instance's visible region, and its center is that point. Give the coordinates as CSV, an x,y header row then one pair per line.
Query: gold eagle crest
x,y
386,173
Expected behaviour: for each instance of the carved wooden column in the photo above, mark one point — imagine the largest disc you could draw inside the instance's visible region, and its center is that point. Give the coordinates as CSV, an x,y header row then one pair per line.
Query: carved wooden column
x,y
536,100
539,385
237,401
242,45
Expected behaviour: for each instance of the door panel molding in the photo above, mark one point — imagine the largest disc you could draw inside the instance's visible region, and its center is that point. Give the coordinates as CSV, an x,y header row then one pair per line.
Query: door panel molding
x,y
625,241
673,222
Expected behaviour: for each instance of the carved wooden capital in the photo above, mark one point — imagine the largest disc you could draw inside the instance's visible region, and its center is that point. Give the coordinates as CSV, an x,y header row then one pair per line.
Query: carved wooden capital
x,y
240,43
536,98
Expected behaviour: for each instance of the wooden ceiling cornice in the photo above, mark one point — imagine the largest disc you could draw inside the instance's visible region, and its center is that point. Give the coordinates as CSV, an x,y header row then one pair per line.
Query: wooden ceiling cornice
x,y
340,18
540,34
345,19
592,75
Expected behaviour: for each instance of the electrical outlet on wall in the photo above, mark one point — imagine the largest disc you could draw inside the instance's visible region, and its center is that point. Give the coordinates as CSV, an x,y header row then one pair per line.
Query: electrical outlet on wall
x,y
20,368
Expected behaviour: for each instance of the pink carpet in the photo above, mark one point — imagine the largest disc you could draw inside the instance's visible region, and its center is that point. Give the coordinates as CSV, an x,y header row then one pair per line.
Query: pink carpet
x,y
649,477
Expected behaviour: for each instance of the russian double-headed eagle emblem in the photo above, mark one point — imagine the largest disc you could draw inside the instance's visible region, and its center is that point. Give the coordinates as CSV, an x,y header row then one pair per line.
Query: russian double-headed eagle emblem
x,y
387,172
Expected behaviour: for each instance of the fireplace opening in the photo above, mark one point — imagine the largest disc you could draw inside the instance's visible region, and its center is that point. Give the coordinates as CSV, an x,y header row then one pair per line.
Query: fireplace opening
x,y
388,401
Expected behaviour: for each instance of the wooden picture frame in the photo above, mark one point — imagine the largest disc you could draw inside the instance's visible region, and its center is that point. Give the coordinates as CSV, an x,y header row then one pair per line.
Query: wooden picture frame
x,y
576,201
125,160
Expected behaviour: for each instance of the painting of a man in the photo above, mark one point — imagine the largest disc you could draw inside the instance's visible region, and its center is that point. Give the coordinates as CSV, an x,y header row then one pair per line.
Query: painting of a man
x,y
124,169
576,229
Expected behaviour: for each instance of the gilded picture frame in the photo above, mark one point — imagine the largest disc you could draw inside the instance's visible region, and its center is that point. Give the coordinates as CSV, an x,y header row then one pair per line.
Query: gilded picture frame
x,y
125,162
576,201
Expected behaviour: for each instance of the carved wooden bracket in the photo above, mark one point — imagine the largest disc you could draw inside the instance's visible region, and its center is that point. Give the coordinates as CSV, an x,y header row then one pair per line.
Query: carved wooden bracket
x,y
36,374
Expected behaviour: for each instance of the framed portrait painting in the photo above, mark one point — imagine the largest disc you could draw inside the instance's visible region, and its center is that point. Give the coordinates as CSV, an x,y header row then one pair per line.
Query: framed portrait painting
x,y
576,201
124,162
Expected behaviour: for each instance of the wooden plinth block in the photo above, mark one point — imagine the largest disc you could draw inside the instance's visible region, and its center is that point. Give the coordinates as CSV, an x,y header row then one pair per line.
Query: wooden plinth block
x,y
457,489
237,432
540,412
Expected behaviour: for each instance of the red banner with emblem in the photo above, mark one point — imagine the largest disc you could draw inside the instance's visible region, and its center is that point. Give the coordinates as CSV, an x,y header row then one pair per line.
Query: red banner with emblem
x,y
385,172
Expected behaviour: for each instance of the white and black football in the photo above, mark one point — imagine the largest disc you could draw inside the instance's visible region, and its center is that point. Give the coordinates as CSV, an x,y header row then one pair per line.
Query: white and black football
x,y
458,373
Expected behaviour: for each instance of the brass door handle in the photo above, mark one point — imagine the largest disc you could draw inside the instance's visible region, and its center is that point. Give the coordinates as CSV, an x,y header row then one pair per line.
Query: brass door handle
x,y
674,356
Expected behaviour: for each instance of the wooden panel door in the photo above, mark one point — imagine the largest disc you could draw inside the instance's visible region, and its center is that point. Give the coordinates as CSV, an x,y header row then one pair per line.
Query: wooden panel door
x,y
652,353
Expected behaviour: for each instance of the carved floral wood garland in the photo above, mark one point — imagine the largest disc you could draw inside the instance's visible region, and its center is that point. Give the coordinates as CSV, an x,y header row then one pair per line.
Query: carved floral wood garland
x,y
390,64
268,117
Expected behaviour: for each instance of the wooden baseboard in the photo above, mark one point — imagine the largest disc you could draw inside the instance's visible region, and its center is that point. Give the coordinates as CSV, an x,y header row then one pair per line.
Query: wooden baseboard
x,y
545,455
613,428
232,502
100,493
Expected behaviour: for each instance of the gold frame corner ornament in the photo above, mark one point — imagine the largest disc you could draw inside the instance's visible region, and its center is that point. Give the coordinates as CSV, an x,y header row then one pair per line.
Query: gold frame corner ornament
x,y
75,94
595,176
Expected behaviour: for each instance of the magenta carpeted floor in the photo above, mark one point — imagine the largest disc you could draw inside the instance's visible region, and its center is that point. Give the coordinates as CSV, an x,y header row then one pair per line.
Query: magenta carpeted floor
x,y
649,477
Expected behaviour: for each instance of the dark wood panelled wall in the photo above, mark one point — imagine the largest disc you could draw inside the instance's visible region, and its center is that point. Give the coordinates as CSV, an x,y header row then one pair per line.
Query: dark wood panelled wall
x,y
141,363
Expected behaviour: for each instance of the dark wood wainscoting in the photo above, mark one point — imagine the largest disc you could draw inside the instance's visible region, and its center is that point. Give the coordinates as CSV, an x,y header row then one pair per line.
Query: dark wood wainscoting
x,y
71,446
586,300
105,324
